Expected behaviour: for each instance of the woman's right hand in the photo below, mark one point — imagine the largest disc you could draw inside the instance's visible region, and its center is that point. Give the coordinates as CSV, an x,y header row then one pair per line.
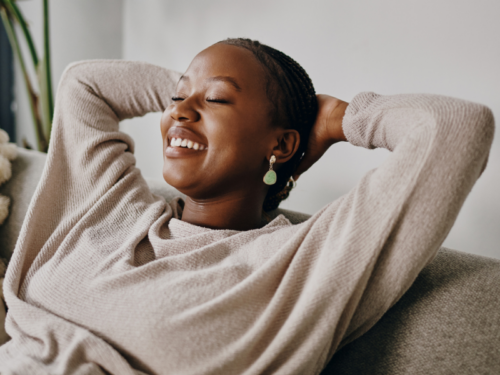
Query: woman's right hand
x,y
326,131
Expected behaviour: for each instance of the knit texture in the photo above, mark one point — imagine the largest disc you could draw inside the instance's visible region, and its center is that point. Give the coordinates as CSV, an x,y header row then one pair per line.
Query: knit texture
x,y
106,277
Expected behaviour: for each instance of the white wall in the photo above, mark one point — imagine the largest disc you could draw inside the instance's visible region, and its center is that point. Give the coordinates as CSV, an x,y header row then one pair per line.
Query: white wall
x,y
447,47
79,30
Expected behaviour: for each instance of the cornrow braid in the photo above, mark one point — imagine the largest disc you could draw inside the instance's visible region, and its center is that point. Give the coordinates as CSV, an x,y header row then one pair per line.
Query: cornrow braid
x,y
292,94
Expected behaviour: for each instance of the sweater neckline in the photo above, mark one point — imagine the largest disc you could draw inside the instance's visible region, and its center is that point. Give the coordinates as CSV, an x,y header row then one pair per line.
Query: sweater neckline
x,y
179,228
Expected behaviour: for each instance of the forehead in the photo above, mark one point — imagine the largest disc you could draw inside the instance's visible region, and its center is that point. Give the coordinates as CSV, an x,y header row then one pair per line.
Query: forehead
x,y
222,60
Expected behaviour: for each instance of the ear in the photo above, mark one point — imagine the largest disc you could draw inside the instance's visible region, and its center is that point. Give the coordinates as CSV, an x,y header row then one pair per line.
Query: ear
x,y
287,145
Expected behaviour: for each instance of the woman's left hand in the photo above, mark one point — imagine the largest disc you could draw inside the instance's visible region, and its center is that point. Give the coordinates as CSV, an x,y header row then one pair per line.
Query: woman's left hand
x,y
326,131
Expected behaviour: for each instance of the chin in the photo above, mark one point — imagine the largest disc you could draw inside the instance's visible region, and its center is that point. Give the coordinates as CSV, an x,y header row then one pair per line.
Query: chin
x,y
182,180
176,180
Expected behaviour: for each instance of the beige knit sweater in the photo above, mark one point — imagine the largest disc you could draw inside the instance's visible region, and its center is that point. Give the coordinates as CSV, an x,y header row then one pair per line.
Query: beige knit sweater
x,y
105,278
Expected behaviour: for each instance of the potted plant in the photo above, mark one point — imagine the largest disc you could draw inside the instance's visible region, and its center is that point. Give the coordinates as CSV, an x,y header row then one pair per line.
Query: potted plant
x,y
39,88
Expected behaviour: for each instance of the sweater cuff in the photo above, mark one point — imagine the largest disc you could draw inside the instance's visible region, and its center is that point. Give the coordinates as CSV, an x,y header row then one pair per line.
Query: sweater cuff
x,y
354,124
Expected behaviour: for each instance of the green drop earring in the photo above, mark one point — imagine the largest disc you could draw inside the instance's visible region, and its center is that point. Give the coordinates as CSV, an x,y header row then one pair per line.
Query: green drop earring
x,y
270,177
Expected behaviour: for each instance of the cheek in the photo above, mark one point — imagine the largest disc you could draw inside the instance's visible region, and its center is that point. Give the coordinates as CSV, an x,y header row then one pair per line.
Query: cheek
x,y
242,148
238,146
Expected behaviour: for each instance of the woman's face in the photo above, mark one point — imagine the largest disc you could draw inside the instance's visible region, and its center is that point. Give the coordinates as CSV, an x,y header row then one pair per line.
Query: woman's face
x,y
222,111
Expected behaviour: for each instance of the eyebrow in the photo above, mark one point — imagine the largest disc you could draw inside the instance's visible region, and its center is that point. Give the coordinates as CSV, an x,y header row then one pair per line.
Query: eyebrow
x,y
227,79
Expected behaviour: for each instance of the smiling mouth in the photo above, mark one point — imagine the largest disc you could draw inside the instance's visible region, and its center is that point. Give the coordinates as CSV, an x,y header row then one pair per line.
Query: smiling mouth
x,y
187,143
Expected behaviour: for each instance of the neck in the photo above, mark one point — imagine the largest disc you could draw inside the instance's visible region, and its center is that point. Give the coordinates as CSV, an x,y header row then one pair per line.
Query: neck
x,y
242,212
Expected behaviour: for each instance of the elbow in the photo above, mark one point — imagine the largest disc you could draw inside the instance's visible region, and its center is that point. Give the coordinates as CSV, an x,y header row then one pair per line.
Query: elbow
x,y
466,131
72,73
474,124
482,126
73,81
488,121
478,128
485,130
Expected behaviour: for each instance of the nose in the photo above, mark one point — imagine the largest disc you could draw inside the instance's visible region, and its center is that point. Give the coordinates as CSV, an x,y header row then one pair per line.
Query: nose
x,y
183,111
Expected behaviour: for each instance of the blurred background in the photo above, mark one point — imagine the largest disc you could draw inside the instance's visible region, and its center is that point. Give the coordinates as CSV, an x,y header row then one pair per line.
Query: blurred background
x,y
448,47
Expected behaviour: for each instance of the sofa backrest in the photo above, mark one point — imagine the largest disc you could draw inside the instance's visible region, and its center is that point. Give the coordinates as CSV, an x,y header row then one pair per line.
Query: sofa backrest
x,y
448,322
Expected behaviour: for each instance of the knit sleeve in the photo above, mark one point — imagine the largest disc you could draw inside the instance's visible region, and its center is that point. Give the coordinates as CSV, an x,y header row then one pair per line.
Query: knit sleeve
x,y
88,155
440,148
371,244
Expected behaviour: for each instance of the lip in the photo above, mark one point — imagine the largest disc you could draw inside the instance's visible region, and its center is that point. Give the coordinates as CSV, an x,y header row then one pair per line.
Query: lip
x,y
183,133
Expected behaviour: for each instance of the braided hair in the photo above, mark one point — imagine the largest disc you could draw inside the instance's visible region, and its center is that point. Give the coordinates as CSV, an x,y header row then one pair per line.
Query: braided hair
x,y
292,94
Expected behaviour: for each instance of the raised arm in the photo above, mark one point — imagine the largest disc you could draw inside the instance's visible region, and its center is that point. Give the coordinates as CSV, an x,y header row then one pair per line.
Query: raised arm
x,y
375,240
88,154
440,148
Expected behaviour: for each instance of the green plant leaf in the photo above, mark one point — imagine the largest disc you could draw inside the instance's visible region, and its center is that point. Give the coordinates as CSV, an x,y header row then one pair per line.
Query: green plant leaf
x,y
16,14
32,96
45,77
45,94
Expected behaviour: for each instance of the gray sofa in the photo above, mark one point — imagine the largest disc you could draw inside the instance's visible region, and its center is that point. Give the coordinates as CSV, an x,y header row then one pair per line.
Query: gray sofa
x,y
447,323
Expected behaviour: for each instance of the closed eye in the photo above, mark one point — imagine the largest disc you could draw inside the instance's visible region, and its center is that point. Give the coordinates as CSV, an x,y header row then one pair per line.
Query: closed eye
x,y
215,100
212,100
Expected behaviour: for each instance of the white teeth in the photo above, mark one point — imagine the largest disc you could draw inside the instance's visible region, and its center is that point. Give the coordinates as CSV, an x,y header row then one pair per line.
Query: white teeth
x,y
179,142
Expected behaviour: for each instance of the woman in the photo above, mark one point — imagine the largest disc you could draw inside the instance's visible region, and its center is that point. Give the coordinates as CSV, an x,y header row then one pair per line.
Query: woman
x,y
107,277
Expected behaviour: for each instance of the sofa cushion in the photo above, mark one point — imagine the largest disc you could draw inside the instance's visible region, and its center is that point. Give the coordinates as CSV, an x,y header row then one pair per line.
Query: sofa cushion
x,y
26,171
447,323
